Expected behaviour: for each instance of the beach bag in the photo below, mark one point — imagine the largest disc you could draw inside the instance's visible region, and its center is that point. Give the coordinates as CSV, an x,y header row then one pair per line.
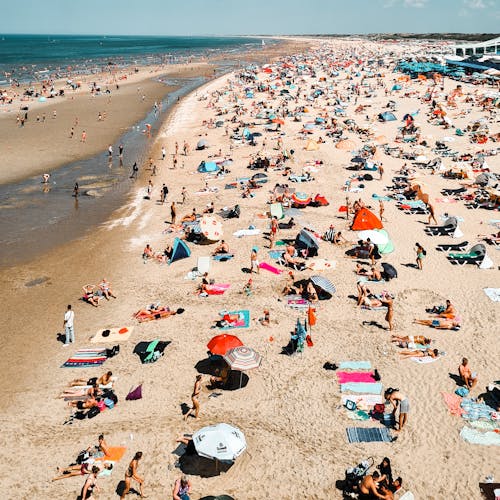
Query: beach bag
x,y
109,403
350,405
93,412
379,408
92,381
101,405
462,391
135,394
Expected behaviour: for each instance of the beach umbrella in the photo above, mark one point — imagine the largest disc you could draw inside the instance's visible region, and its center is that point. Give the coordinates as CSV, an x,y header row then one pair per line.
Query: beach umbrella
x,y
242,358
211,227
220,344
301,198
221,442
278,120
376,237
324,284
202,144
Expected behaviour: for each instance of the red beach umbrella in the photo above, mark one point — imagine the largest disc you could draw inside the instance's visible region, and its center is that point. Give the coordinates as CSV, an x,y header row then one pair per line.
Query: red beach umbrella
x,y
222,343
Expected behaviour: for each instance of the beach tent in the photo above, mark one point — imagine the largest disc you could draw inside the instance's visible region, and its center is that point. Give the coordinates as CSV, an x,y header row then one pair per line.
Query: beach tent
x,y
386,116
307,241
207,166
388,246
365,219
202,144
396,87
312,146
301,199
179,251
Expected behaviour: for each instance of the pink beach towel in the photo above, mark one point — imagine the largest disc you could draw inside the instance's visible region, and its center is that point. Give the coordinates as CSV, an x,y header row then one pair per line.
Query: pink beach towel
x,y
345,377
452,401
270,268
217,289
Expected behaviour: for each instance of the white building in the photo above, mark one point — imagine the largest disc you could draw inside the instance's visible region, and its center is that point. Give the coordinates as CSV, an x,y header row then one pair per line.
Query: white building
x,y
491,47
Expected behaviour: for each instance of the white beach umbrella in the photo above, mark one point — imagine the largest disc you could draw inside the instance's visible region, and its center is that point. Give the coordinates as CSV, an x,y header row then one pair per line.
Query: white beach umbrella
x,y
375,236
211,227
220,442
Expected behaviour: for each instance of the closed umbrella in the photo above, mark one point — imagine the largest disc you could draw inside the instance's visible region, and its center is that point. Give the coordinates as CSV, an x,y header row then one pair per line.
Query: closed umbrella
x,y
220,344
211,228
220,442
375,236
324,284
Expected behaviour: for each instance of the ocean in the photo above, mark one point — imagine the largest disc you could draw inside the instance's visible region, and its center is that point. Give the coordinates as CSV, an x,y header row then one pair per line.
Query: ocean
x,y
25,58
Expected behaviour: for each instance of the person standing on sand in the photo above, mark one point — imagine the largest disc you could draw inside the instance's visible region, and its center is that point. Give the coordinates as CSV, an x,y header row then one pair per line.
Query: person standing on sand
x,y
68,325
76,190
398,400
173,212
381,210
163,152
381,171
420,255
131,473
135,171
110,151
274,230
120,150
184,194
386,300
84,137
432,214
254,262
194,398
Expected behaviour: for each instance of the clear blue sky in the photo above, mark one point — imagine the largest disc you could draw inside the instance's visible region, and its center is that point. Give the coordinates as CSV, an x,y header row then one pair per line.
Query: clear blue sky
x,y
241,17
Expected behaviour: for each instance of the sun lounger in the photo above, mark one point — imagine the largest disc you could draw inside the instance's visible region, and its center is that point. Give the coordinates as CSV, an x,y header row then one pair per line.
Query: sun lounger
x,y
447,247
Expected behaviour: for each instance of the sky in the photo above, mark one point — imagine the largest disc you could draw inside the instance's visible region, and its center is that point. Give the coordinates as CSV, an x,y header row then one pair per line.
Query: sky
x,y
248,17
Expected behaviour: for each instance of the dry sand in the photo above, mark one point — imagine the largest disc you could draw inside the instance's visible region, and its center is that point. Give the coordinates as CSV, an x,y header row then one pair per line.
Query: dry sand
x,y
290,410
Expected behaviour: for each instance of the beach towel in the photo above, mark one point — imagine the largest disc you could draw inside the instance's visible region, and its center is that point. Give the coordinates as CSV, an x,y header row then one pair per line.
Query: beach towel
x,y
475,436
297,303
426,360
107,472
488,490
115,454
223,257
357,415
114,335
452,401
485,426
355,365
493,294
365,387
364,279
270,268
242,322
84,358
321,264
368,435
217,289
246,232
344,377
363,400
275,254
475,411
383,198
407,496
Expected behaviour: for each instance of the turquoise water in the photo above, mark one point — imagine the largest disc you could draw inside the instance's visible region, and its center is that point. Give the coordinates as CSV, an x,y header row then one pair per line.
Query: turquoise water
x,y
35,57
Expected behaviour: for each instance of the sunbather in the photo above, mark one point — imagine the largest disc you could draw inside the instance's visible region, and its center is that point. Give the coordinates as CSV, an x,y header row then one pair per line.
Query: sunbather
x,y
223,247
83,405
165,255
409,353
74,470
105,379
312,294
90,392
105,288
409,340
290,287
147,253
468,377
220,378
440,323
190,217
294,262
91,295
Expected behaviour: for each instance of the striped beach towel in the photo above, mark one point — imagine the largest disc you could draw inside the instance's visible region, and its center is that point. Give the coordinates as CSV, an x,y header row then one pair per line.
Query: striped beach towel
x,y
86,357
368,435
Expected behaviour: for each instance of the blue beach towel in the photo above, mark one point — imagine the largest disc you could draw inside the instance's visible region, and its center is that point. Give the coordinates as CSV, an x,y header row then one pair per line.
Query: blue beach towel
x,y
475,436
368,435
362,387
355,365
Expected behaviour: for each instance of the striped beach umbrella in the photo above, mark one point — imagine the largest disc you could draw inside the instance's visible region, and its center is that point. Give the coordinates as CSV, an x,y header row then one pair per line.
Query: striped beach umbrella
x,y
242,358
323,283
301,198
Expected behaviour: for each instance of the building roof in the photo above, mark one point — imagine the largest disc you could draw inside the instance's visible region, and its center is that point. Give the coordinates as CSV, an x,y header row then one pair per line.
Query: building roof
x,y
487,43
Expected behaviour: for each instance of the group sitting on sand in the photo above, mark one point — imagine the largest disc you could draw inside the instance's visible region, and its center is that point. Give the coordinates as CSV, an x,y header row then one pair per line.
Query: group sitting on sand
x,y
94,293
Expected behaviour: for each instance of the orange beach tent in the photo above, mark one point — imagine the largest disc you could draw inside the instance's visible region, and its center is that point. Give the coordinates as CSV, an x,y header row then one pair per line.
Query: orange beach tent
x,y
365,219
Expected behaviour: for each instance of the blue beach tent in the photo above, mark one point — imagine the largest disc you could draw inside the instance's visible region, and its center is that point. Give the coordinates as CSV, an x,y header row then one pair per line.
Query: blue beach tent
x,y
207,166
179,251
386,116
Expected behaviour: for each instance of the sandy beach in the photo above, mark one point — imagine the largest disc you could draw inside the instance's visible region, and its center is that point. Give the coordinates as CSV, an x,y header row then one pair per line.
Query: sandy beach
x,y
290,410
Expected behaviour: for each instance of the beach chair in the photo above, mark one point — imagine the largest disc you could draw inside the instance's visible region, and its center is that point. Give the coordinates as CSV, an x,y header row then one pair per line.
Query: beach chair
x,y
203,265
448,228
475,255
450,247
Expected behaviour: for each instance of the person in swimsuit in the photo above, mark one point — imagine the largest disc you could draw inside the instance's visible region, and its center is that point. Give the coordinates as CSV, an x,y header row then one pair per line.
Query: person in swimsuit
x,y
431,353
389,317
368,487
408,341
131,473
105,287
274,230
398,400
194,398
75,470
90,296
90,484
468,378
420,255
182,488
440,324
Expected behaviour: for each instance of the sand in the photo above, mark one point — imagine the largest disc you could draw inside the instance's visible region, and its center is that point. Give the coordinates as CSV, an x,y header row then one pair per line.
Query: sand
x,y
290,411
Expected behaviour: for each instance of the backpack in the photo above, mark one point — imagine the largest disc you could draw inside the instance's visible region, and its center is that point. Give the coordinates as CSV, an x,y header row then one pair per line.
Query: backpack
x,y
93,412
82,456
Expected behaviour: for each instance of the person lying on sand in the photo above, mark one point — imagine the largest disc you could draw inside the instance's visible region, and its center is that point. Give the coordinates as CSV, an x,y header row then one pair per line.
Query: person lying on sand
x,y
91,295
431,353
81,470
190,217
83,405
409,340
220,378
440,324
91,392
312,294
290,288
105,379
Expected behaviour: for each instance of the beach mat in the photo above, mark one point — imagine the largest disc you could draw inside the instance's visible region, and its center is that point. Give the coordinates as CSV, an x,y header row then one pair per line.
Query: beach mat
x,y
453,401
345,377
86,358
242,322
368,435
475,436
115,335
217,289
223,257
355,365
363,400
426,360
362,387
115,454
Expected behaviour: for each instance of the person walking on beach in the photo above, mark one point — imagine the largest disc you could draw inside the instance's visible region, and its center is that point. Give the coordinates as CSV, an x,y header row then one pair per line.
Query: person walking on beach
x,y
84,137
68,325
400,401
149,189
131,473
194,398
184,195
421,253
120,150
90,484
173,212
274,230
110,151
254,262
76,190
135,171
432,214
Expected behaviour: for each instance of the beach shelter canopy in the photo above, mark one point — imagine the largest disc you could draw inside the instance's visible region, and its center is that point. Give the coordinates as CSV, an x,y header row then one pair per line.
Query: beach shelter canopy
x,y
305,239
312,146
220,344
207,166
242,358
179,251
387,116
211,227
221,442
364,220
